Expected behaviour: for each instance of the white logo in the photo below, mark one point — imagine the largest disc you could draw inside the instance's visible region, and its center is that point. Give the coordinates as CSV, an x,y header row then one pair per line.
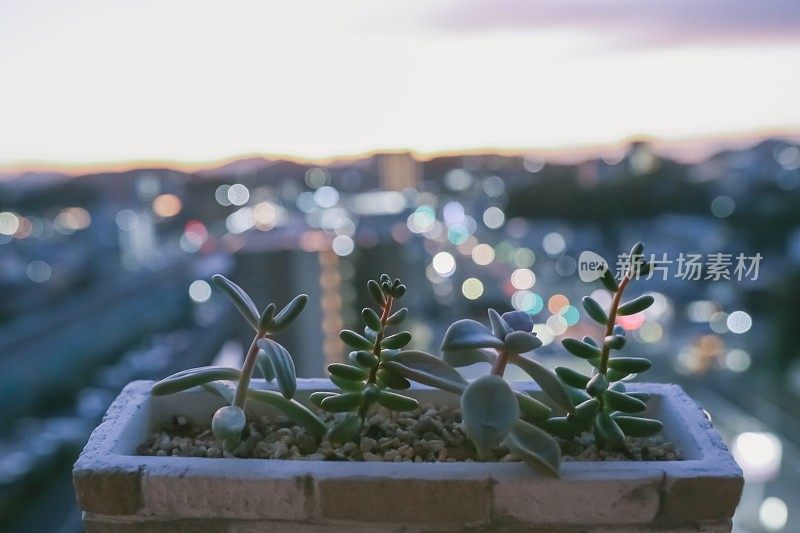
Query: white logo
x,y
591,266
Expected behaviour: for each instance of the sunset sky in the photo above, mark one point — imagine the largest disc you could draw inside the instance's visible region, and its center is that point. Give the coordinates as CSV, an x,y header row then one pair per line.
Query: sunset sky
x,y
107,80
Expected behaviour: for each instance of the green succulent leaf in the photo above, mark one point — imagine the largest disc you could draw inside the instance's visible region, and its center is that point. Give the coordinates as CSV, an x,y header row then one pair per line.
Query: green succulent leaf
x,y
223,390
561,427
426,369
531,408
610,432
615,342
546,379
266,318
629,365
489,410
392,380
345,430
227,425
519,321
376,292
289,313
597,384
186,379
371,319
341,403
535,447
571,377
608,281
619,401
347,384
636,305
317,397
580,348
616,375
468,357
641,396
518,342
594,310
619,386
397,402
348,372
355,340
636,252
265,365
500,327
293,409
240,299
590,341
283,365
396,341
366,358
634,426
397,318
466,334
577,395
586,410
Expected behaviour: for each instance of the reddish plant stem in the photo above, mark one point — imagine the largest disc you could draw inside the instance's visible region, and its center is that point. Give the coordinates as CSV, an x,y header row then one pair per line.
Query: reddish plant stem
x,y
376,350
612,320
240,396
499,365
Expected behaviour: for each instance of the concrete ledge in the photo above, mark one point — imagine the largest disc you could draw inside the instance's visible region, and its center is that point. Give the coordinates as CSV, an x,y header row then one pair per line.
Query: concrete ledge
x,y
120,491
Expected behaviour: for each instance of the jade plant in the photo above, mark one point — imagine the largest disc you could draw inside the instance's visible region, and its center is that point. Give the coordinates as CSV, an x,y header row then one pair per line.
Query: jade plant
x,y
365,380
605,407
272,360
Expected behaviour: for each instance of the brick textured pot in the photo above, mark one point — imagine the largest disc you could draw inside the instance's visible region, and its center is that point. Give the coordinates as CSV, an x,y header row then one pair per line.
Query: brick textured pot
x,y
119,491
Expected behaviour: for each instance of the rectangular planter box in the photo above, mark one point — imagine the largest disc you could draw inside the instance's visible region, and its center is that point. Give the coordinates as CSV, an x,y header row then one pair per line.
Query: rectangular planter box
x,y
119,491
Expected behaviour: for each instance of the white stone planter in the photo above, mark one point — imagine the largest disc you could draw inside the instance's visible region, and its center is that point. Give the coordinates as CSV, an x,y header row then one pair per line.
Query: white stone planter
x,y
119,491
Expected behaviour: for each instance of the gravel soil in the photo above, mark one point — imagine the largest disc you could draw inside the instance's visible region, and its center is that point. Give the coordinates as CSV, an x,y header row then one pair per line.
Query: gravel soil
x,y
426,435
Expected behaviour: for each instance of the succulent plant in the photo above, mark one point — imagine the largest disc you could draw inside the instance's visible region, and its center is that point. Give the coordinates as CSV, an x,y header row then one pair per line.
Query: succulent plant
x,y
603,404
365,380
272,360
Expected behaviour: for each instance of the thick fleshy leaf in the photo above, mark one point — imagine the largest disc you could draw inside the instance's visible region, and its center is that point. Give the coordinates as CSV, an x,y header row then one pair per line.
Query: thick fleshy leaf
x,y
265,365
283,365
345,430
348,372
641,396
594,310
227,425
587,409
365,358
597,384
396,341
371,319
634,426
289,313
500,327
636,305
266,318
223,390
610,432
317,397
580,348
561,427
609,281
397,402
532,408
347,384
293,409
571,377
546,379
355,340
376,292
616,375
615,342
518,342
466,334
577,395
392,380
426,369
519,321
619,401
489,410
468,357
240,299
192,377
397,318
535,447
629,365
347,401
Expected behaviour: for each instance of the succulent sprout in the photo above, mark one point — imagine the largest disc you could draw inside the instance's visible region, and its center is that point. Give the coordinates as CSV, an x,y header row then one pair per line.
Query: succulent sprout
x,y
272,360
365,379
606,408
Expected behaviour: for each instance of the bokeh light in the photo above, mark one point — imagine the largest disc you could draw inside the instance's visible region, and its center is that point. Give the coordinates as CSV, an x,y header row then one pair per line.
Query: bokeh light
x,y
472,288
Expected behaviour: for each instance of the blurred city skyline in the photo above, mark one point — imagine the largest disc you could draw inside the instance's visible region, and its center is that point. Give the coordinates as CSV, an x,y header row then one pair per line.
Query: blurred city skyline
x,y
93,84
